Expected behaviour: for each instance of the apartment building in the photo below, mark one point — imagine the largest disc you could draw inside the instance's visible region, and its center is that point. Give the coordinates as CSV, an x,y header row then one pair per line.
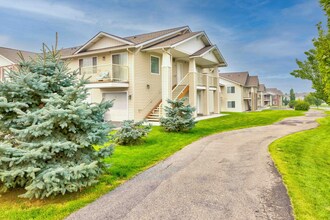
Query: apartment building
x,y
273,97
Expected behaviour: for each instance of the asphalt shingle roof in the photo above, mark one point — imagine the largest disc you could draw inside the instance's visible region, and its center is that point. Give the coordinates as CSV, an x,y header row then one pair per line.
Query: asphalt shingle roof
x,y
12,54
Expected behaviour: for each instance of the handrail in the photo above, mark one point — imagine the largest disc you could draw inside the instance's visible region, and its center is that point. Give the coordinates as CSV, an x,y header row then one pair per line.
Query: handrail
x,y
181,81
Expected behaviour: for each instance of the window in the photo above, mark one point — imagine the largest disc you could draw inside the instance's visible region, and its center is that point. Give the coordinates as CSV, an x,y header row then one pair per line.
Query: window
x,y
119,67
231,104
154,65
231,89
88,65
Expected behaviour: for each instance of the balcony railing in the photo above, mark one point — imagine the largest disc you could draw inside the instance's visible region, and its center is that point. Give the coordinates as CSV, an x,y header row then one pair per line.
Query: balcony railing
x,y
201,80
213,81
106,73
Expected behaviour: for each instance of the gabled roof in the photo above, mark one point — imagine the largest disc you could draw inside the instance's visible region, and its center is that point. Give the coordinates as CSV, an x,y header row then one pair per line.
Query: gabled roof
x,y
252,81
68,51
12,54
203,51
274,91
237,77
175,40
143,38
262,88
100,35
242,78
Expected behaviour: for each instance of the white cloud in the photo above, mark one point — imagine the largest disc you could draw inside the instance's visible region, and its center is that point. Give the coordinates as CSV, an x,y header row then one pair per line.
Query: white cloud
x,y
48,9
274,47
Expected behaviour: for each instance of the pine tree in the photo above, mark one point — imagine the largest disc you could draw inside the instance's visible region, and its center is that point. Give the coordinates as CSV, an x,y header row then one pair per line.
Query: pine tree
x,y
47,130
292,95
179,117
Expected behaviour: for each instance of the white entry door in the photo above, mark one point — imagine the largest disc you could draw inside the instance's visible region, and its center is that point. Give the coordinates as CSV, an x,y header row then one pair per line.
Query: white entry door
x,y
119,110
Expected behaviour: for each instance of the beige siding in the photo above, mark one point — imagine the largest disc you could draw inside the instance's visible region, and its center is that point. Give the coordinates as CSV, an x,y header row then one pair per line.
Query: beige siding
x,y
191,46
237,97
104,43
145,98
103,59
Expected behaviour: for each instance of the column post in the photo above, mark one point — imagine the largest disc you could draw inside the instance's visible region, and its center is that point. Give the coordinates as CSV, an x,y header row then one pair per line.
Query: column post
x,y
217,91
193,84
166,78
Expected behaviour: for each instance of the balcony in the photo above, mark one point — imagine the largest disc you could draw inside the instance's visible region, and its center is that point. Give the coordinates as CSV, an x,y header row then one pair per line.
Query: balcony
x,y
106,75
201,80
213,81
247,95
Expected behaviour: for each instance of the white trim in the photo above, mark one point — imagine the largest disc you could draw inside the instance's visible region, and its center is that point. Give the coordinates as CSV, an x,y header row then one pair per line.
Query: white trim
x,y
106,85
158,74
185,40
211,48
97,52
174,45
160,37
8,60
225,79
106,35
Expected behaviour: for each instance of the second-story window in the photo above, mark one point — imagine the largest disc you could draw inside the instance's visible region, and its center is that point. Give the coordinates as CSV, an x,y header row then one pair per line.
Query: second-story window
x,y
231,89
154,65
88,65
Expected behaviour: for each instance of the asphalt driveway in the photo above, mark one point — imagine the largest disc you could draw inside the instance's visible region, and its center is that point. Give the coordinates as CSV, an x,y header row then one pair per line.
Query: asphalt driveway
x,y
224,176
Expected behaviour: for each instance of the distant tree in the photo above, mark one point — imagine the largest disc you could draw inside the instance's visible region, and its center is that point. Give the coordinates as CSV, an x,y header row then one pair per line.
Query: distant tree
x,y
316,67
313,100
292,95
285,101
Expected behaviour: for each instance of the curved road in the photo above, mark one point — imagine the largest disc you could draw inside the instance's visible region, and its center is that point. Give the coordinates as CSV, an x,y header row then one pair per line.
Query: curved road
x,y
229,175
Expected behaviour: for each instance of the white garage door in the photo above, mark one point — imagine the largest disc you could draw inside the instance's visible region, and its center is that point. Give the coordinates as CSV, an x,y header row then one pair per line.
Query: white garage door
x,y
119,110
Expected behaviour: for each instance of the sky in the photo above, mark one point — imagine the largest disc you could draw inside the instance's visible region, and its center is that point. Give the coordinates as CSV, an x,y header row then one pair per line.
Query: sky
x,y
264,37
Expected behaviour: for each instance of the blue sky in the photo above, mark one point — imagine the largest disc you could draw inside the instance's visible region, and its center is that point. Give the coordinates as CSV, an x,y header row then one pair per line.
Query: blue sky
x,y
263,37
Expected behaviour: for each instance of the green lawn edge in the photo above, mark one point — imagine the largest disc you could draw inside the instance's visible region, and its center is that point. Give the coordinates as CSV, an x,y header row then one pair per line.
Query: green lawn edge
x,y
129,161
303,162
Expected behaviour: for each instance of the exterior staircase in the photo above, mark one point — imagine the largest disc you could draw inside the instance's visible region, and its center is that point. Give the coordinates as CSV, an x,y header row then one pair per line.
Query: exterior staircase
x,y
178,92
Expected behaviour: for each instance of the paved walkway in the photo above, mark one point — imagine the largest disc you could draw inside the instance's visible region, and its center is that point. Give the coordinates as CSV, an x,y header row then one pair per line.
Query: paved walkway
x,y
224,176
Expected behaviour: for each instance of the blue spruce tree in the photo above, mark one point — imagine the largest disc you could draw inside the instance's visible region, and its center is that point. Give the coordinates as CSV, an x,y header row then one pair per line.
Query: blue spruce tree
x,y
48,131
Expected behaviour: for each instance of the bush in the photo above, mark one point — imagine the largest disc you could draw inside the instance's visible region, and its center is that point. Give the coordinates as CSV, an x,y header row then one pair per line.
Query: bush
x,y
292,104
179,117
301,105
131,133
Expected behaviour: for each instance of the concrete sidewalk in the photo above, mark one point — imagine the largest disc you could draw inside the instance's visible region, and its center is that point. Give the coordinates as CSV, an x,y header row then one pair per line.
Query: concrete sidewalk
x,y
224,176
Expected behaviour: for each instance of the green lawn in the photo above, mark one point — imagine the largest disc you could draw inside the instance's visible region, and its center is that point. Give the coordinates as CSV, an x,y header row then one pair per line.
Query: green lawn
x,y
129,161
303,159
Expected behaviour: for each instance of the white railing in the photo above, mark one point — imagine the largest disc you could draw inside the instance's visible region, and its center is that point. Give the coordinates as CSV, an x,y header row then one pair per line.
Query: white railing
x,y
106,73
178,89
4,70
201,79
213,81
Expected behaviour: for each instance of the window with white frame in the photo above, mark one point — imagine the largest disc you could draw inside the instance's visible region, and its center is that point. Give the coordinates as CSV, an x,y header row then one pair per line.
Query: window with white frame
x,y
119,66
231,104
231,89
88,65
154,65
